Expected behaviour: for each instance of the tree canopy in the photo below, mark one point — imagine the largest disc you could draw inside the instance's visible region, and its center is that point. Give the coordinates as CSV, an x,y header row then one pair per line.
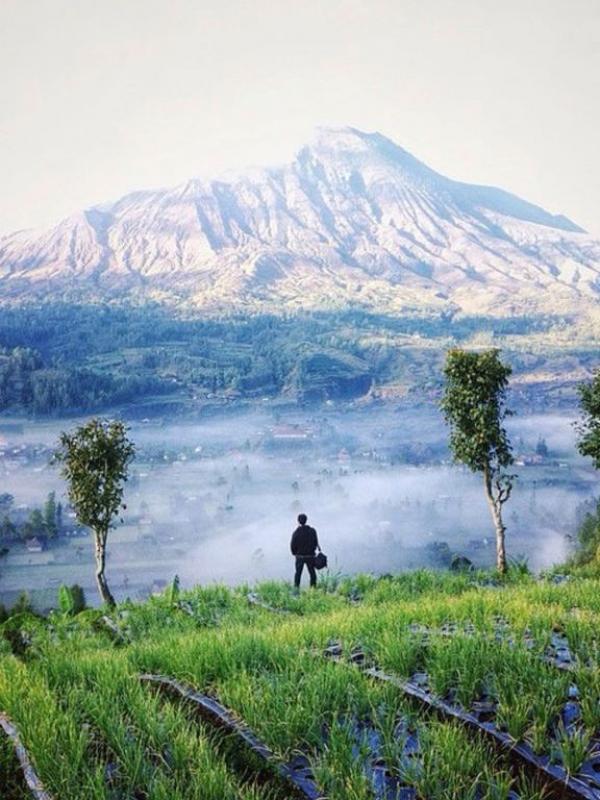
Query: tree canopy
x,y
588,428
95,460
474,405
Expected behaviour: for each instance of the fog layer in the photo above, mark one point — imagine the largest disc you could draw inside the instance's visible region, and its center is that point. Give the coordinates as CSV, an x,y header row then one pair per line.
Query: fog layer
x,y
217,500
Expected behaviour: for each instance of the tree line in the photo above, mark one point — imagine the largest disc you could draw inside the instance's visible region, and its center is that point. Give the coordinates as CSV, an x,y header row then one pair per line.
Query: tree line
x,y
29,384
62,358
44,523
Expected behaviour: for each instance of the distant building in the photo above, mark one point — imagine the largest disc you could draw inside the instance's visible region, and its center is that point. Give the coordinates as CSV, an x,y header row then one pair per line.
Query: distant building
x,y
529,460
158,586
291,433
34,545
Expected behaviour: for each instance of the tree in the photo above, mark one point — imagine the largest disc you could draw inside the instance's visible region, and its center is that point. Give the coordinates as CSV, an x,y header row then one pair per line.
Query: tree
x,y
95,459
50,515
8,529
6,501
4,551
474,406
34,525
588,428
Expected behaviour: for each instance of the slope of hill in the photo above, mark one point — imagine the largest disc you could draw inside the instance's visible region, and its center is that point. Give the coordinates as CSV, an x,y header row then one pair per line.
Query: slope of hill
x,y
423,685
352,220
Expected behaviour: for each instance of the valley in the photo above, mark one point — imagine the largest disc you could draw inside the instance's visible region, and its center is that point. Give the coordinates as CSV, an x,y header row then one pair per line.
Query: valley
x,y
215,499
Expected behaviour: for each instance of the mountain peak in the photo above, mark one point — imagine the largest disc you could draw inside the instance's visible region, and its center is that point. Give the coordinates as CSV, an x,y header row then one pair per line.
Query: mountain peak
x,y
345,139
354,219
354,148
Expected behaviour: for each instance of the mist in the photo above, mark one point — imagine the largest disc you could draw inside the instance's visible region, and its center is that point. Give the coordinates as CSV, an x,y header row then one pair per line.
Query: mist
x,y
217,500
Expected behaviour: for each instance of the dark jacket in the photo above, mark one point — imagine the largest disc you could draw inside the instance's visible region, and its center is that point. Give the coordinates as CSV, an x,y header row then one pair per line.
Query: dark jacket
x,y
304,541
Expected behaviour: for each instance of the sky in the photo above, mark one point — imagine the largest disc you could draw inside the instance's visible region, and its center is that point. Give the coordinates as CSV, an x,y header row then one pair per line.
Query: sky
x,y
98,99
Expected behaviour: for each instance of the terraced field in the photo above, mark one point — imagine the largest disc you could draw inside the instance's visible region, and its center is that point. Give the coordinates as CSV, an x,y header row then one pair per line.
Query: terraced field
x,y
425,685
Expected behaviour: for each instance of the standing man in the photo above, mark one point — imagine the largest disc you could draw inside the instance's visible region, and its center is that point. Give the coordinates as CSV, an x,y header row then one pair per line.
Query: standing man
x,y
303,545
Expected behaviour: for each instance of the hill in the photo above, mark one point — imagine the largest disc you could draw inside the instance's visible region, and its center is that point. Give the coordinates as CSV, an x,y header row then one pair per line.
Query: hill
x,y
424,685
353,221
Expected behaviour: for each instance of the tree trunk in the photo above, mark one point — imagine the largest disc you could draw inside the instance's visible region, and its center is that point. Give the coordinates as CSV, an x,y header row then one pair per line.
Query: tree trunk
x,y
496,510
105,592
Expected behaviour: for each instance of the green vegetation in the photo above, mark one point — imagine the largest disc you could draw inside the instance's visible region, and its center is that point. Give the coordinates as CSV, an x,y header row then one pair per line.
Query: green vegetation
x,y
60,358
30,383
474,405
588,537
476,640
589,428
95,460
45,523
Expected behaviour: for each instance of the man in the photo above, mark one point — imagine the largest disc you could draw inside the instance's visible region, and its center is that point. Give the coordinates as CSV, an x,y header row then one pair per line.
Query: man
x,y
303,545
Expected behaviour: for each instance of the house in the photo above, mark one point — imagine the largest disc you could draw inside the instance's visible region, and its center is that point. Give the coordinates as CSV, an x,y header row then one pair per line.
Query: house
x,y
529,460
34,545
291,433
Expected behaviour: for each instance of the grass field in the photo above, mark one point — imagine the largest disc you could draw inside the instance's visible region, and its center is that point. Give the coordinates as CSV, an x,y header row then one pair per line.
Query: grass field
x,y
368,687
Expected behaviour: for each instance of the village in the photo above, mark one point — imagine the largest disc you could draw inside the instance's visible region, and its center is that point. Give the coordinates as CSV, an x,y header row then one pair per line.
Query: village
x,y
378,480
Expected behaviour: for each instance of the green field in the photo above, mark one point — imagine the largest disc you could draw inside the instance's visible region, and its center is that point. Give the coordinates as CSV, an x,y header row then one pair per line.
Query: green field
x,y
305,674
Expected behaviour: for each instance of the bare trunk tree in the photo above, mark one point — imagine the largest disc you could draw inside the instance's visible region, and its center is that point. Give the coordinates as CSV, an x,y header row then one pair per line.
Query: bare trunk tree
x,y
100,551
497,493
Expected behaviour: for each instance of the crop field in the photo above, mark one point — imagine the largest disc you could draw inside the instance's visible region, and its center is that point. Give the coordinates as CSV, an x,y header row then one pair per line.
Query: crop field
x,y
415,687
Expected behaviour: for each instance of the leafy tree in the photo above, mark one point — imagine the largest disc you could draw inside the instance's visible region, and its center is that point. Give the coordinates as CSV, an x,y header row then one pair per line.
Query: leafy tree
x,y
6,501
8,528
588,428
4,551
474,406
34,525
95,459
50,515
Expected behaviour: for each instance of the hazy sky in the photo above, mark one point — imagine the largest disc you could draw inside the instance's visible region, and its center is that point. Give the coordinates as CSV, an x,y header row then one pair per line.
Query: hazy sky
x,y
100,98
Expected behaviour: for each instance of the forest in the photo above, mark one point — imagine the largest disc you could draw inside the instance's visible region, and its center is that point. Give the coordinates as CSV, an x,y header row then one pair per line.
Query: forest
x,y
59,359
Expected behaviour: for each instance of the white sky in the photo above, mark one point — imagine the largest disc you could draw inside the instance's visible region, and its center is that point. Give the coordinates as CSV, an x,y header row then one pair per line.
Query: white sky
x,y
98,98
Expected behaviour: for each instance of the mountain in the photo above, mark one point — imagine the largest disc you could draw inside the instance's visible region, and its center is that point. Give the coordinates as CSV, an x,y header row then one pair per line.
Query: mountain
x,y
353,220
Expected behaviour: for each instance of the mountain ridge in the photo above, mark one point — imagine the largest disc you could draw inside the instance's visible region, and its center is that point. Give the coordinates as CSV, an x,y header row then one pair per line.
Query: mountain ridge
x,y
352,220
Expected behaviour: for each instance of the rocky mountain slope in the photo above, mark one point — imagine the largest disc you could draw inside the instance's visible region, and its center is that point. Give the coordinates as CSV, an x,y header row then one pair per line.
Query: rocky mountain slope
x,y
353,220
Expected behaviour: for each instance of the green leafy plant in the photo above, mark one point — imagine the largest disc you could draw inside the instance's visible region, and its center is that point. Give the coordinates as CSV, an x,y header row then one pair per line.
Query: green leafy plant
x,y
71,599
95,459
474,406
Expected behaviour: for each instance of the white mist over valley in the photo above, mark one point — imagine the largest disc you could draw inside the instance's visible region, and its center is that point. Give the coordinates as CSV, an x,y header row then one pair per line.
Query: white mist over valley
x,y
216,500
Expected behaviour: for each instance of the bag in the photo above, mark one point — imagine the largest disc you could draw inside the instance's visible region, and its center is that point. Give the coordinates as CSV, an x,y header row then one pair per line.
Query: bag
x,y
320,561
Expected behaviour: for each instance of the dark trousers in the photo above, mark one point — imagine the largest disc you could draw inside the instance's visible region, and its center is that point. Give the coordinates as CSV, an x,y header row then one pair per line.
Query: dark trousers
x,y
310,565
